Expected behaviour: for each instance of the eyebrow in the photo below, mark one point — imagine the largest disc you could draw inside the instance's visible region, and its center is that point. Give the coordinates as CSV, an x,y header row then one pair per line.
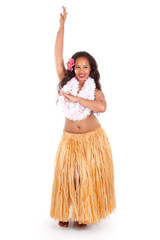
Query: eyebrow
x,y
83,65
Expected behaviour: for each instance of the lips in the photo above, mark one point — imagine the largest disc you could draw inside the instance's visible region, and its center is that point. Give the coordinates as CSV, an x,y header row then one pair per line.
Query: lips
x,y
81,75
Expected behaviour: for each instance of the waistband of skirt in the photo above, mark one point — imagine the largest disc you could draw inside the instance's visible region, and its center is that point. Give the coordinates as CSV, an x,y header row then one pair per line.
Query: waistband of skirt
x,y
69,134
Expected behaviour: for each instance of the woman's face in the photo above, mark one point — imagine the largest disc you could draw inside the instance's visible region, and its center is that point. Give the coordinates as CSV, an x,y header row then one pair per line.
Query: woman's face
x,y
82,68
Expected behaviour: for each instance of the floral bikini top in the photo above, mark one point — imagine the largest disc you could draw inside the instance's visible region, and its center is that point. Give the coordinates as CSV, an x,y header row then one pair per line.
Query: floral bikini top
x,y
75,111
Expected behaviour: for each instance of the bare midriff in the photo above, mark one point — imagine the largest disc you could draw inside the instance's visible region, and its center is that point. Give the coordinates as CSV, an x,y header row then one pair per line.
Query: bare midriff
x,y
83,126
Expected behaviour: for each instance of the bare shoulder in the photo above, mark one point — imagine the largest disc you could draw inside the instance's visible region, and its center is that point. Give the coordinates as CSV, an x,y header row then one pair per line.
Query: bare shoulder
x,y
98,92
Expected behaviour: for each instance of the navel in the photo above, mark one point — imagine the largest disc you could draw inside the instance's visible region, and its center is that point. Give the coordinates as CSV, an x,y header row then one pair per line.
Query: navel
x,y
78,126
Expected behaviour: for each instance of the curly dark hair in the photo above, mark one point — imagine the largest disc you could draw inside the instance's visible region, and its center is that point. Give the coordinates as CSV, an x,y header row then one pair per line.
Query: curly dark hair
x,y
94,73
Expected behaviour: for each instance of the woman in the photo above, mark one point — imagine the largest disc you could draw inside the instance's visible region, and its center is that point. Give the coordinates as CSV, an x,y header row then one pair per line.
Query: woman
x,y
84,174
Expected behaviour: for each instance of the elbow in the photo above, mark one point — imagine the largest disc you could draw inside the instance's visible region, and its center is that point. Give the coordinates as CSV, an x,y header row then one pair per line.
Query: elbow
x,y
104,107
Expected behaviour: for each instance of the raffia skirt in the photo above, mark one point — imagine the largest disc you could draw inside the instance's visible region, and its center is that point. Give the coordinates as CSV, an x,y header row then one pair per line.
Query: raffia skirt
x,y
83,178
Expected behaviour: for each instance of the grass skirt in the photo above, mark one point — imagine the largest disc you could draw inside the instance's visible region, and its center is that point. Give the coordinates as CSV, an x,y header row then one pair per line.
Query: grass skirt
x,y
83,178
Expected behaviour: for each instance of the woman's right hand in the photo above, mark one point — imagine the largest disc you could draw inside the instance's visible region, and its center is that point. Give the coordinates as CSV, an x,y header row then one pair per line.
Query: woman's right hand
x,y
63,16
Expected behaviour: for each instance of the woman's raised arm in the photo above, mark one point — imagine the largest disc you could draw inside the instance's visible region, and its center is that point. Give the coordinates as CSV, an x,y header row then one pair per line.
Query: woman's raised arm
x,y
59,62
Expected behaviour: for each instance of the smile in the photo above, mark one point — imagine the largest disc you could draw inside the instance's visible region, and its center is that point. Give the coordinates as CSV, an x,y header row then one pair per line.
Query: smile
x,y
81,75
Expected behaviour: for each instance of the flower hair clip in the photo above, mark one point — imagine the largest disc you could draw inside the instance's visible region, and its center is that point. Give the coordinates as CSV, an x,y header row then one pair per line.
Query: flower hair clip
x,y
70,64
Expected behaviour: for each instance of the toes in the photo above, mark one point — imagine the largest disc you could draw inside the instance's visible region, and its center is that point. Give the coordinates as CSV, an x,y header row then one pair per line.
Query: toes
x,y
63,224
81,224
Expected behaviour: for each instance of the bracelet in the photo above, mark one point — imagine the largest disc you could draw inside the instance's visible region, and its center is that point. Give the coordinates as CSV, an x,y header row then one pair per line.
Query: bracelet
x,y
60,33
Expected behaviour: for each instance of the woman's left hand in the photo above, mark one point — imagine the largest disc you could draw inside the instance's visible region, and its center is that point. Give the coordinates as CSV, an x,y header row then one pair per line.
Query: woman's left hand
x,y
70,97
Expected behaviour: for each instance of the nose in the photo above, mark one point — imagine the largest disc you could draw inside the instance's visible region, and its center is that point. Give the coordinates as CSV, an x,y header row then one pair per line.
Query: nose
x,y
81,70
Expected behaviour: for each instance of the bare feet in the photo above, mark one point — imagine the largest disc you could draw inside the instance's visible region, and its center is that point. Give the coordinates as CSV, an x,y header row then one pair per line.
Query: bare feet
x,y
81,224
63,224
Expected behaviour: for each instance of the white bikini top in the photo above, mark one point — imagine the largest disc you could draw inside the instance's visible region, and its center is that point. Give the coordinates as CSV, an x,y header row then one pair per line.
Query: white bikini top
x,y
75,111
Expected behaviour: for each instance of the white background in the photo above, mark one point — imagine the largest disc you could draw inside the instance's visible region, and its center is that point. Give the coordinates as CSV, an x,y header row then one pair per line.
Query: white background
x,y
123,36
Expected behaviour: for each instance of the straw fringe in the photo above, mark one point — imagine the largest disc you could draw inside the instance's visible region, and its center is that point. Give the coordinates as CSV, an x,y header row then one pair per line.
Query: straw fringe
x,y
87,158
